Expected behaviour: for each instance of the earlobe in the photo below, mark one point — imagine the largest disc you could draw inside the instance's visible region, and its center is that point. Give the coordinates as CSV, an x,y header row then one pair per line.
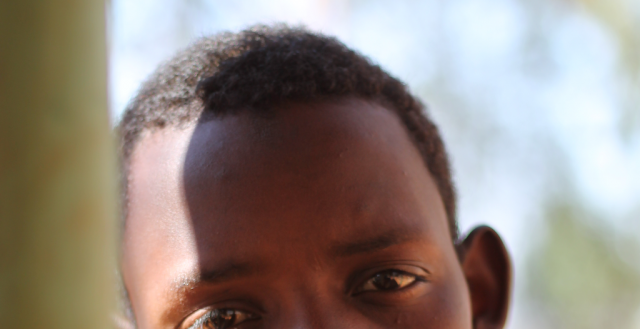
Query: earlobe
x,y
487,269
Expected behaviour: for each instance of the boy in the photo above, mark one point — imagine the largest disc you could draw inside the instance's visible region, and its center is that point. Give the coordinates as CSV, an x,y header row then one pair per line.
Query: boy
x,y
277,179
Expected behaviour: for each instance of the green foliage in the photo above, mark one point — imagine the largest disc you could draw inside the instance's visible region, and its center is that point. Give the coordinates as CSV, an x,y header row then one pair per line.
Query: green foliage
x,y
577,277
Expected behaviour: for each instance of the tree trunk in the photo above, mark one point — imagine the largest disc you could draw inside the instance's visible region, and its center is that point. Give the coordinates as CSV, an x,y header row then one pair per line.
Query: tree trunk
x,y
57,169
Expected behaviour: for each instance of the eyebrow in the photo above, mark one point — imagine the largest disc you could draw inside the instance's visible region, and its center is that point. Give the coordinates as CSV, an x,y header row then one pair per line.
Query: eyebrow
x,y
373,244
192,279
227,272
237,270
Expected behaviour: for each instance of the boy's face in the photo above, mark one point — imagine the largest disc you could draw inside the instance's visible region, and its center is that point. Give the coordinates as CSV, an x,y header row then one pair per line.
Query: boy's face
x,y
313,216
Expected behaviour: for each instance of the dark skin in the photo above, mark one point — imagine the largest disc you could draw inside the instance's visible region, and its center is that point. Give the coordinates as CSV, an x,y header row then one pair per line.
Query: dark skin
x,y
315,215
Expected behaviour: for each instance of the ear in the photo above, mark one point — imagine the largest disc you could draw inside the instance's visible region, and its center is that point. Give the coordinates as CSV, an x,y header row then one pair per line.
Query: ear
x,y
487,268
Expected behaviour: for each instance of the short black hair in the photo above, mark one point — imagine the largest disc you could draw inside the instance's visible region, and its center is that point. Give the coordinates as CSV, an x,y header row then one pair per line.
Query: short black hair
x,y
264,66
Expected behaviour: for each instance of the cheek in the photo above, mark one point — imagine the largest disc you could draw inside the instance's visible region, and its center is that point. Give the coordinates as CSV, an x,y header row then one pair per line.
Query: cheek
x,y
449,305
441,311
450,308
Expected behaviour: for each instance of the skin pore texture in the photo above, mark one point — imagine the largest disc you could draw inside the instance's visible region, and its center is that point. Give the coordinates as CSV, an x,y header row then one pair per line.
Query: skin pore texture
x,y
318,215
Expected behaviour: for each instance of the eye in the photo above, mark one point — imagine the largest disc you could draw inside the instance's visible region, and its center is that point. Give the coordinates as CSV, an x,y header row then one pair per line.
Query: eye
x,y
389,280
222,319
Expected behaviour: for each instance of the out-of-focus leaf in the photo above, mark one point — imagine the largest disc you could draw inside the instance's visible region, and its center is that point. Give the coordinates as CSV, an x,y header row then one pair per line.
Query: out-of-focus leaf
x,y
576,276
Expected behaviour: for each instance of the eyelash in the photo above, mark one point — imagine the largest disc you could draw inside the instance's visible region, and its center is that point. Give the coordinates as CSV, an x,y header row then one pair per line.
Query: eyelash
x,y
374,282
208,319
229,318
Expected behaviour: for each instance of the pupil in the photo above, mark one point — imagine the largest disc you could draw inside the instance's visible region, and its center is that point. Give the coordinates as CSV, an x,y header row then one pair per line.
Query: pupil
x,y
386,281
221,319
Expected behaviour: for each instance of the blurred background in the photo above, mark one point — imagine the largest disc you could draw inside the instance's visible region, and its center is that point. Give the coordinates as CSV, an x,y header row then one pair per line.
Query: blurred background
x,y
538,102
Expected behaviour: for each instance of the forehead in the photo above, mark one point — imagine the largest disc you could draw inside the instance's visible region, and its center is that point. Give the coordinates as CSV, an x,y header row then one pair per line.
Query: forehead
x,y
289,182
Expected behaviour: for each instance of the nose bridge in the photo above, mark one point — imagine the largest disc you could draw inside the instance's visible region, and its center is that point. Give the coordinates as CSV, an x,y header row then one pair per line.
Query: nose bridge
x,y
312,302
311,308
315,298
315,304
